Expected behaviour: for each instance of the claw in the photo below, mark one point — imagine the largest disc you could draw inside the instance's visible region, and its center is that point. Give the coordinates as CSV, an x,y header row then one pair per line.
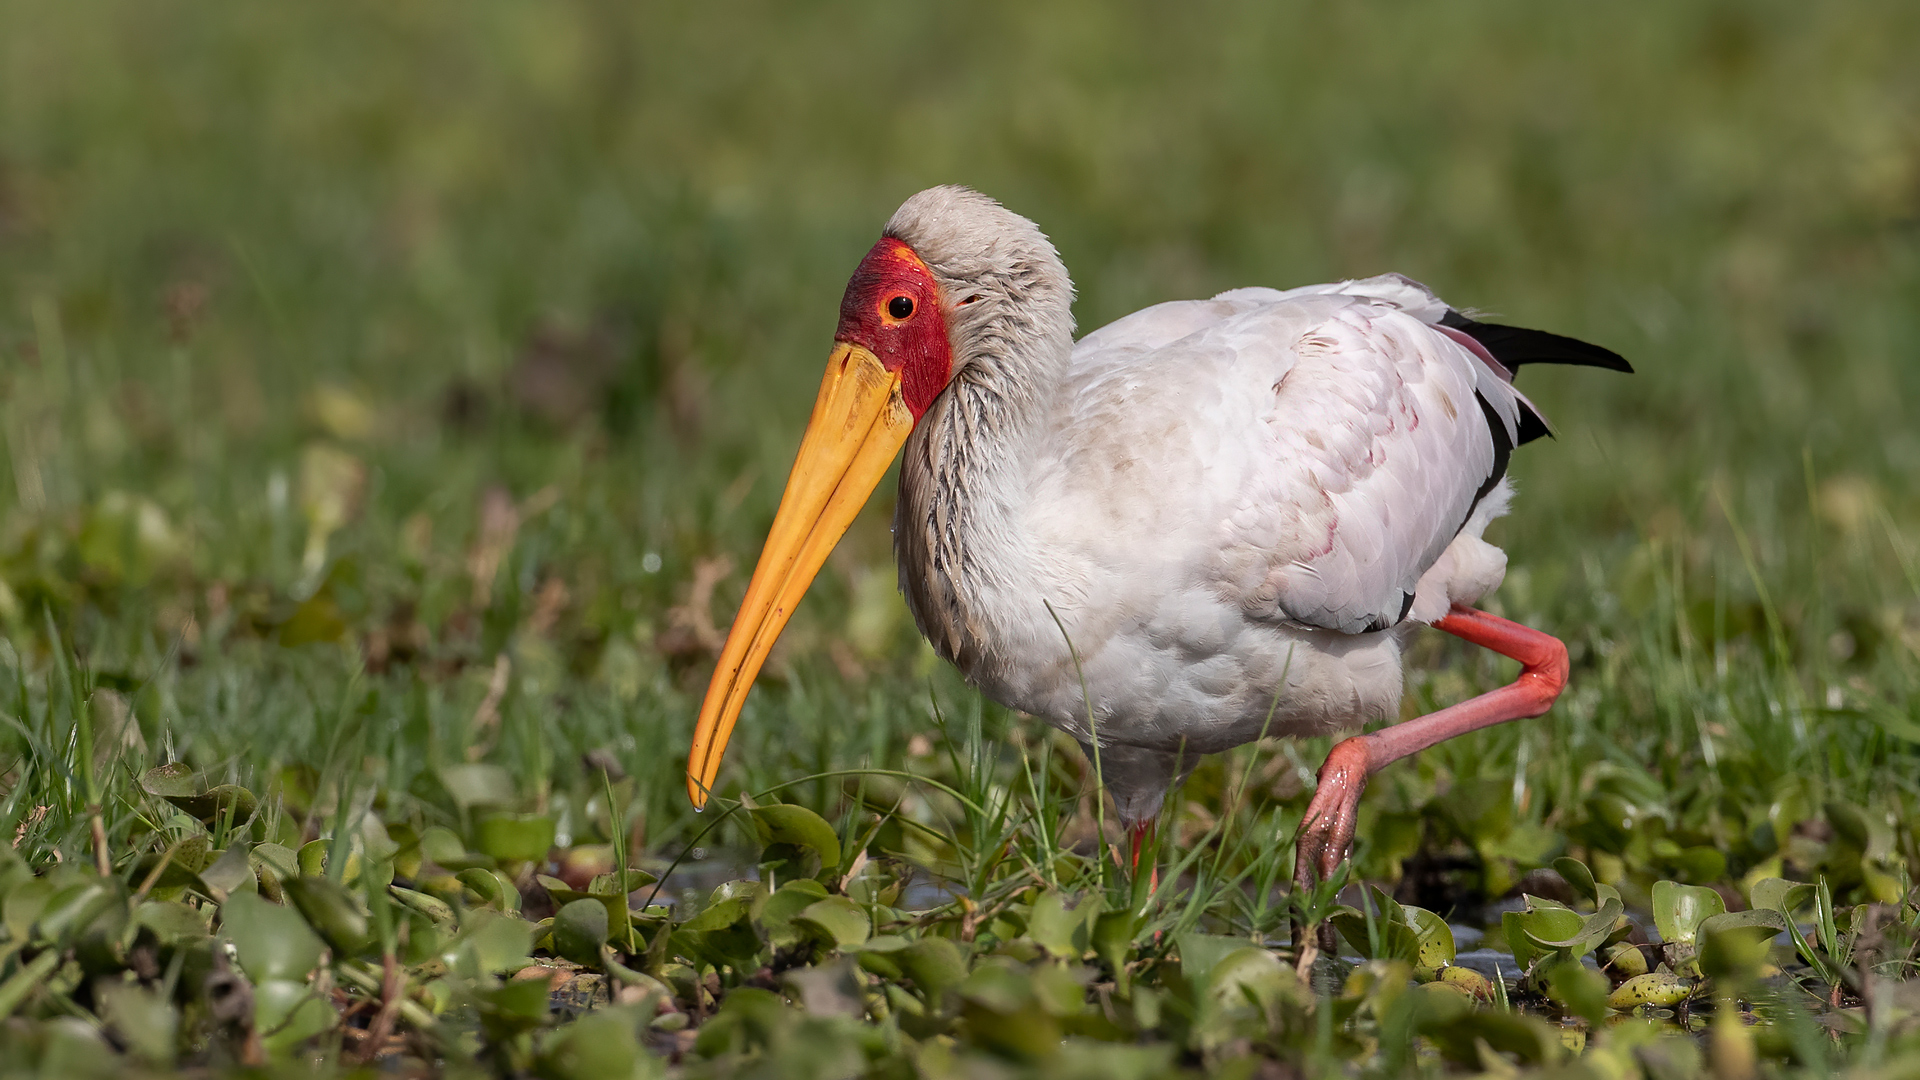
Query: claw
x,y
1326,833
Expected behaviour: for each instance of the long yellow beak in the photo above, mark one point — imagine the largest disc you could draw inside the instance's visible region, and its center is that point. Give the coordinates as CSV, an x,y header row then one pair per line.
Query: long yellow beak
x,y
859,424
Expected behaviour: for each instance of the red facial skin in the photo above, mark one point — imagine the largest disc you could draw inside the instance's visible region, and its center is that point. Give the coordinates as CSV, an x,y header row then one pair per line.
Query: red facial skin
x,y
915,346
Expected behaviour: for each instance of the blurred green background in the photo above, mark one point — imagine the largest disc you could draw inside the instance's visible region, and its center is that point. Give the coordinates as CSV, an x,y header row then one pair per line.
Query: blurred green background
x,y
345,348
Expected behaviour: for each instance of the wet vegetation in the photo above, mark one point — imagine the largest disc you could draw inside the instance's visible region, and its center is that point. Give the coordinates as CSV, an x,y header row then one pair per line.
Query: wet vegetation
x,y
394,396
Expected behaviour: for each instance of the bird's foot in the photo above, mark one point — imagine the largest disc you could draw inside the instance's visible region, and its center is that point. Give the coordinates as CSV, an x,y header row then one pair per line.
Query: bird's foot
x,y
1326,833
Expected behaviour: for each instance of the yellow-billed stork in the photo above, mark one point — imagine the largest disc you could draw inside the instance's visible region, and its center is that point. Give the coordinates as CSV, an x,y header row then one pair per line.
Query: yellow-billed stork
x,y
1238,509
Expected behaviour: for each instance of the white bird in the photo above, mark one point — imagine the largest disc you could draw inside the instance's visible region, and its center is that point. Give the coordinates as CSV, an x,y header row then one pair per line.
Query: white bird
x,y
1238,510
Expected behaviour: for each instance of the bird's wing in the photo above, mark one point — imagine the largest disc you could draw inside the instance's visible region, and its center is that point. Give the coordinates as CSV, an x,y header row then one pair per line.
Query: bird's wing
x,y
1382,436
1342,442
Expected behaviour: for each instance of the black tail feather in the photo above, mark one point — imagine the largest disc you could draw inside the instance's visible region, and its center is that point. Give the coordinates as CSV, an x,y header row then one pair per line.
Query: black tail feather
x,y
1514,346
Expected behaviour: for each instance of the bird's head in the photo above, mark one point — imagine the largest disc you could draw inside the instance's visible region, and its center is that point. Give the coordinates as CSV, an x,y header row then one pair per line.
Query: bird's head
x,y
893,313
955,275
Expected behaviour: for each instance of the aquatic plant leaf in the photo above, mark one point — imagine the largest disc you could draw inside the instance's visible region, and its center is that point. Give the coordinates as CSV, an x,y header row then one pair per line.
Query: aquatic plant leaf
x,y
1593,930
271,941
1658,988
514,837
785,823
434,908
1200,953
784,905
1251,975
837,920
1055,928
337,912
1528,1038
144,1020
1434,944
1678,910
231,870
1578,989
170,781
579,929
1577,876
934,964
603,1045
488,943
288,1013
173,923
724,908
1779,894
476,785
495,889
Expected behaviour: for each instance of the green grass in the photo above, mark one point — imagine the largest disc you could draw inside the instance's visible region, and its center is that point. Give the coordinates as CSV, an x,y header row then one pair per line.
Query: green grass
x,y
347,349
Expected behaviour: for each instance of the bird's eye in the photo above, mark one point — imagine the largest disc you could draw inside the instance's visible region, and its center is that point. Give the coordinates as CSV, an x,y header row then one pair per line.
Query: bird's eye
x,y
900,307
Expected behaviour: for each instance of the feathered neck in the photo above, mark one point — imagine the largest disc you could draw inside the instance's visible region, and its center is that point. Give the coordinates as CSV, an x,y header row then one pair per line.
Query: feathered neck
x,y
963,477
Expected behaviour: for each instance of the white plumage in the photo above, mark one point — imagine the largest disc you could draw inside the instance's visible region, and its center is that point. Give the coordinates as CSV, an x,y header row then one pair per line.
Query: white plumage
x,y
1235,510
1228,495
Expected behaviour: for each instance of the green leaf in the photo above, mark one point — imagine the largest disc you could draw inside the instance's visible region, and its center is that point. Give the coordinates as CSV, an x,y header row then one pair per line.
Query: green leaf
x,y
24,904
283,861
178,866
1678,910
1058,990
1200,953
231,871
1779,894
495,889
23,982
272,942
1575,874
1434,938
786,904
478,785
225,802
315,855
146,1022
1578,989
579,929
519,1005
609,884
1063,933
1734,945
171,781
730,903
1658,988
337,912
514,837
785,823
1002,1015
172,923
1594,929
72,910
289,1013
603,1045
934,964
1112,941
1528,1038
488,943
1253,975
1547,928
837,920
432,907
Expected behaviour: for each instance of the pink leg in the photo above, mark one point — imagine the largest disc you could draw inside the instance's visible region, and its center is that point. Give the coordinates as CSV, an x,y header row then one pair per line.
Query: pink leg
x,y
1326,834
1140,834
